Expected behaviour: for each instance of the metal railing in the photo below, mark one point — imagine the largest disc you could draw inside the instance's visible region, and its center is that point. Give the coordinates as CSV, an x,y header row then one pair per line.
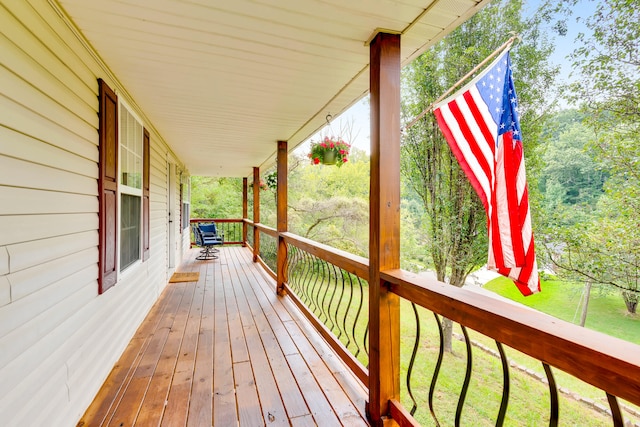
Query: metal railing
x,y
330,287
333,296
231,229
600,360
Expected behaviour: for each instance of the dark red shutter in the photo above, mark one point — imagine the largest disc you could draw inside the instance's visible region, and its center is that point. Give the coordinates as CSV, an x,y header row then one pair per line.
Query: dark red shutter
x,y
145,195
108,187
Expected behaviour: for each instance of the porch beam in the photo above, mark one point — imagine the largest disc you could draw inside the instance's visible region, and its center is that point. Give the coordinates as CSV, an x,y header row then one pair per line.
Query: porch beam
x,y
282,170
384,232
256,213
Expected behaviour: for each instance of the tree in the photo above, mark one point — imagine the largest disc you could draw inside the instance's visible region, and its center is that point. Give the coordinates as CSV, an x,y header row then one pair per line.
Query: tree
x,y
571,180
606,248
455,217
216,197
330,204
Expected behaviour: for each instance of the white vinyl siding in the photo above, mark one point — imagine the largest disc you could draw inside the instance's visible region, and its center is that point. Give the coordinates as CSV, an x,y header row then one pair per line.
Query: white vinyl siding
x,y
59,339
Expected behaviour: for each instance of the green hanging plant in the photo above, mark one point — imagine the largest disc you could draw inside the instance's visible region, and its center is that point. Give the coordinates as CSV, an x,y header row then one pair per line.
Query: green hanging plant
x,y
272,180
329,151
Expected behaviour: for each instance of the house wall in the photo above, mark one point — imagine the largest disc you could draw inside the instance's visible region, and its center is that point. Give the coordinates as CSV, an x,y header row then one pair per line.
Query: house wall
x,y
58,338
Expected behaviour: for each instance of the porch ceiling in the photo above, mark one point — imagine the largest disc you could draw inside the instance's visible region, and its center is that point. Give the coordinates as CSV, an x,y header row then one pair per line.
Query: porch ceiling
x,y
223,80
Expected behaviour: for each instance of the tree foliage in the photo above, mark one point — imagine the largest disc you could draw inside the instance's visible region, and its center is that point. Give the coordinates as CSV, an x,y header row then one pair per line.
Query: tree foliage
x,y
331,205
456,219
604,247
216,197
572,180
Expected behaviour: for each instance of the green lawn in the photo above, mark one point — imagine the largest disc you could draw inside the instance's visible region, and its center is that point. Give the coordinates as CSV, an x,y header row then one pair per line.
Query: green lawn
x,y
606,314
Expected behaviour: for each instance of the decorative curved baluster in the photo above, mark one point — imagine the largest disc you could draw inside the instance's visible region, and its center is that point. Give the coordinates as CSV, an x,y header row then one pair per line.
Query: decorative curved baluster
x,y
416,344
326,278
296,270
615,411
309,263
505,385
554,407
322,278
346,312
291,268
316,269
321,287
331,287
339,278
436,371
467,376
366,340
355,323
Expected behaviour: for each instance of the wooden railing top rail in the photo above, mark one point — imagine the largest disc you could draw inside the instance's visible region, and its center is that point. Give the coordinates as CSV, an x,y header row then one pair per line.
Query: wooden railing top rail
x,y
603,361
216,219
352,263
264,229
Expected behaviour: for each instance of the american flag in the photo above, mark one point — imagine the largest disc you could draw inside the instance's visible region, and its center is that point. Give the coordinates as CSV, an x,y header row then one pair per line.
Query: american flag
x,y
480,123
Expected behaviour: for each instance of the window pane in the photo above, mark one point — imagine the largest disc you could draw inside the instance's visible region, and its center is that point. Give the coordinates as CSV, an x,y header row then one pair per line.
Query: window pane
x,y
130,230
130,149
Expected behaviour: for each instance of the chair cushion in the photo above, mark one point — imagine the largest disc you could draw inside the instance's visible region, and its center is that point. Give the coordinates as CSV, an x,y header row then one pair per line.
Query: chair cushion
x,y
208,228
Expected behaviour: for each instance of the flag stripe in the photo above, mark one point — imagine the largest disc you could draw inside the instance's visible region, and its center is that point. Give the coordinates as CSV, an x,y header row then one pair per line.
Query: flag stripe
x,y
511,165
503,217
473,154
480,184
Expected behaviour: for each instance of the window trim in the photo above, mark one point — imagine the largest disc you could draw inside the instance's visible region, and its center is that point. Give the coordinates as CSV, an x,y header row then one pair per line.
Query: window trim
x,y
128,190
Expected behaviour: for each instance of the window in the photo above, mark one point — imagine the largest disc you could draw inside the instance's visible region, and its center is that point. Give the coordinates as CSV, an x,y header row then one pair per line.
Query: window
x,y
185,196
123,189
131,165
129,230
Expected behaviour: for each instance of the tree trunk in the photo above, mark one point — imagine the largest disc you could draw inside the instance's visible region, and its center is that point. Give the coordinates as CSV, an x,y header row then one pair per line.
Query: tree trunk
x,y
585,307
631,301
447,333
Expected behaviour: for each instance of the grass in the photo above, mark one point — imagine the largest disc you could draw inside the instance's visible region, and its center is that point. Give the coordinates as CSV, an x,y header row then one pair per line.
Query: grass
x,y
606,314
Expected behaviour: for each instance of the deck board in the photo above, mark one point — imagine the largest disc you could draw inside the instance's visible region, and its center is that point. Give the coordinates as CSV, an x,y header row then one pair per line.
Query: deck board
x,y
201,402
130,359
226,350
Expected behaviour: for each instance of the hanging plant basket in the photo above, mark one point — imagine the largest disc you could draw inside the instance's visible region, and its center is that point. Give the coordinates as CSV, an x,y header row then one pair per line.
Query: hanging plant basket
x,y
329,151
329,158
261,185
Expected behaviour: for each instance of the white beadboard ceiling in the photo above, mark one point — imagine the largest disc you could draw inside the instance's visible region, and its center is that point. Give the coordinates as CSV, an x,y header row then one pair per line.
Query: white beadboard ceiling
x,y
223,80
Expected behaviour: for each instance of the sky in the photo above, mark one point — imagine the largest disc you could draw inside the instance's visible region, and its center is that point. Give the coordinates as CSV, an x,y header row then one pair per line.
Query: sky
x,y
358,114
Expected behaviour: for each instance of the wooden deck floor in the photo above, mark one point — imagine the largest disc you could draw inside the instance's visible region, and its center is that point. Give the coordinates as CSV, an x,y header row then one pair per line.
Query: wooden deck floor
x,y
227,351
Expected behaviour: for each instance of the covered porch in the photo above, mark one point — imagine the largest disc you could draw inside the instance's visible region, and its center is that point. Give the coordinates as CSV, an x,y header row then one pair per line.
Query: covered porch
x,y
225,349
267,365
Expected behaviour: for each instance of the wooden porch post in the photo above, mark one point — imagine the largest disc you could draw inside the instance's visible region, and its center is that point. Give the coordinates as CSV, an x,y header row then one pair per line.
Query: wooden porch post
x,y
384,232
282,216
256,213
245,209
